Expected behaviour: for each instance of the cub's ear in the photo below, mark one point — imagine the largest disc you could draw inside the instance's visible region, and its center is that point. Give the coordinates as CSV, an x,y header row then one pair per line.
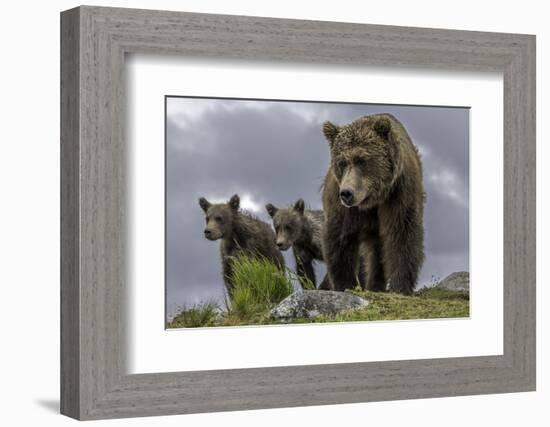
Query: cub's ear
x,y
330,130
204,204
299,206
271,210
382,126
234,202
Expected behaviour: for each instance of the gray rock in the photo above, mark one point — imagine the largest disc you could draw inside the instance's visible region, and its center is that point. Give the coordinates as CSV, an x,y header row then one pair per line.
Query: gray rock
x,y
459,281
310,304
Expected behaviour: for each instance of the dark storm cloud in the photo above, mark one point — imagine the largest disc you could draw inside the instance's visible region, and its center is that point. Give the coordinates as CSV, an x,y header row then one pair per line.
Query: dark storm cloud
x,y
275,152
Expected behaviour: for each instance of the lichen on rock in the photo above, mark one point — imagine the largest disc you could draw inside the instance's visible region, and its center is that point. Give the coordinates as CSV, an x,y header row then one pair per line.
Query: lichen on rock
x,y
458,281
314,303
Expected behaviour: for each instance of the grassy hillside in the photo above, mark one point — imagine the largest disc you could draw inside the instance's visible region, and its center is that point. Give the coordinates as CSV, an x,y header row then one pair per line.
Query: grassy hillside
x,y
259,286
429,303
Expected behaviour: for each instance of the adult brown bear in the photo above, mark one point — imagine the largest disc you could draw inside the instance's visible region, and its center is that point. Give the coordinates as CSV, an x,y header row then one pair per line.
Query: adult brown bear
x,y
373,199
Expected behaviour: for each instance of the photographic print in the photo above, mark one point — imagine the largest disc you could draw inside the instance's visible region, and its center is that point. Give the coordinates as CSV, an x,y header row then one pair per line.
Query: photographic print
x,y
286,212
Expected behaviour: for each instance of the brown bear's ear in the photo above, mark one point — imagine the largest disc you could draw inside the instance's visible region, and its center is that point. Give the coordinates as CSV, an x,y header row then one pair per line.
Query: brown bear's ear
x,y
299,206
234,202
382,126
204,204
271,210
330,130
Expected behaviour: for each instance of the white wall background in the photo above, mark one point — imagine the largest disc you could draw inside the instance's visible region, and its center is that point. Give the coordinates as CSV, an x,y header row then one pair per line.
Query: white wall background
x,y
29,212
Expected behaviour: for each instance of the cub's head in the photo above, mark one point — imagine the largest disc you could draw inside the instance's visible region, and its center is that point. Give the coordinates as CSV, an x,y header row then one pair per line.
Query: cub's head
x,y
219,217
365,159
288,223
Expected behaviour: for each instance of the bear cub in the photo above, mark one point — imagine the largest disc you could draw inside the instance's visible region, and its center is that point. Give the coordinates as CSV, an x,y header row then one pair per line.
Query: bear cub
x,y
373,199
240,233
302,229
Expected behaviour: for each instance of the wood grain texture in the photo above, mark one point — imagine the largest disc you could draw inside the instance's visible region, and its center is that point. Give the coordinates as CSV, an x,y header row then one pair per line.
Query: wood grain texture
x,y
70,220
94,272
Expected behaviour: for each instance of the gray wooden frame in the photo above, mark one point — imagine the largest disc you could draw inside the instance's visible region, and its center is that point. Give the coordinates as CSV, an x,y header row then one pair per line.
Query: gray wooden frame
x,y
94,382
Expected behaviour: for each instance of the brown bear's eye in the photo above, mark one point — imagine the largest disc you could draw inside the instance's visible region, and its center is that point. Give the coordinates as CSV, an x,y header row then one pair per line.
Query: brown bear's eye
x,y
218,218
342,164
288,228
360,162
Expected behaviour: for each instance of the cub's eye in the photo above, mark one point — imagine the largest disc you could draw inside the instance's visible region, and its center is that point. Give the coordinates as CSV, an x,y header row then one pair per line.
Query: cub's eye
x,y
342,164
218,218
288,228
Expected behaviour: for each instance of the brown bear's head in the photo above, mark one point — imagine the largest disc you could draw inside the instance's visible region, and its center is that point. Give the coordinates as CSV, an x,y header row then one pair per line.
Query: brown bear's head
x,y
219,217
365,159
288,223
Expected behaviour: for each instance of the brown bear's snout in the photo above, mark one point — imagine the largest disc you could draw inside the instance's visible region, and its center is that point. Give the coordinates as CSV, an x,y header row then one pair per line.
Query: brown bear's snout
x,y
211,234
347,197
282,246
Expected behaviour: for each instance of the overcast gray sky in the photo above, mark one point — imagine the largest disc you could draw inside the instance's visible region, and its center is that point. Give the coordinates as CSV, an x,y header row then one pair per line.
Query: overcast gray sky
x,y
274,151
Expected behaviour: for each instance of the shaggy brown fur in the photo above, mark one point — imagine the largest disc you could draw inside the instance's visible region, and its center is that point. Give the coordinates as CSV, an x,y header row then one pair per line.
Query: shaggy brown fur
x,y
240,233
373,199
302,229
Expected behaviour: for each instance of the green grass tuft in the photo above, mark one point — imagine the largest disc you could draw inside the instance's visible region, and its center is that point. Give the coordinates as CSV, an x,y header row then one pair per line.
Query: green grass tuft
x,y
199,315
306,283
258,285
